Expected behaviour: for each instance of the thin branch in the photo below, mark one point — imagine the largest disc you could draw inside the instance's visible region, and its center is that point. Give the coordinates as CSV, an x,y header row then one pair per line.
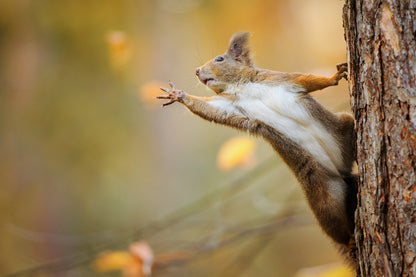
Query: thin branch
x,y
154,227
205,246
246,258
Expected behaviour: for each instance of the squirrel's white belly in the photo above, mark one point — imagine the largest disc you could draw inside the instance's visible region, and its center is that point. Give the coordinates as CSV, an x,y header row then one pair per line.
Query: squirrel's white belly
x,y
279,107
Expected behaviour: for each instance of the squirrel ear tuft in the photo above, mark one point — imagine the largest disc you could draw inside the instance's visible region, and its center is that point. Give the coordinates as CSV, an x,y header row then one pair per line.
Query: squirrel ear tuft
x,y
239,47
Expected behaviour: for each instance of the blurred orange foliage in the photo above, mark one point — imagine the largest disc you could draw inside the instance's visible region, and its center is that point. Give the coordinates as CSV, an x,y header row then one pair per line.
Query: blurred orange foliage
x,y
148,92
116,260
329,270
236,152
119,49
136,262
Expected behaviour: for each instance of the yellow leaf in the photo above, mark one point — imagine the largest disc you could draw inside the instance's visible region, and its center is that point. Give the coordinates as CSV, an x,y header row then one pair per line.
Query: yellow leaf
x,y
117,260
329,270
238,151
341,271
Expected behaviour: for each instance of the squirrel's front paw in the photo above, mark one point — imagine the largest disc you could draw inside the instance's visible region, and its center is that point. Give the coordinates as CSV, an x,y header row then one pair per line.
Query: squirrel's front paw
x,y
342,71
174,95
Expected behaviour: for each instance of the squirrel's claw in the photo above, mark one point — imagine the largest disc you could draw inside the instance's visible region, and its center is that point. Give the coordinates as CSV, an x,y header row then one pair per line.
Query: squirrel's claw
x,y
162,97
343,75
172,86
164,89
168,103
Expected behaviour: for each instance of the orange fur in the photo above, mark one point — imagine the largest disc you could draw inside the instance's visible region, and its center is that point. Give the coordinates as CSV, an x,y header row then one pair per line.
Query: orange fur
x,y
238,71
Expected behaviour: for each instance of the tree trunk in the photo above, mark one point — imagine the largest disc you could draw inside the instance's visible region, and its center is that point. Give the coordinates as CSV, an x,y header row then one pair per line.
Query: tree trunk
x,y
381,47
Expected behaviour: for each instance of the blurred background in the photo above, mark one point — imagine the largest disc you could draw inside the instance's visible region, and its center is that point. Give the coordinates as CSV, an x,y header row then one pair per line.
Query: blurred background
x,y
90,162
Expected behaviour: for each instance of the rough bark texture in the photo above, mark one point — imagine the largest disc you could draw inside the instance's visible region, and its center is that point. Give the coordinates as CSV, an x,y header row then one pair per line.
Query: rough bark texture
x,y
381,47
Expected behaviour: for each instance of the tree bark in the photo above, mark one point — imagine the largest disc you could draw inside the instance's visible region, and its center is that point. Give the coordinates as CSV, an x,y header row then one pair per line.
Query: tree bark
x,y
381,49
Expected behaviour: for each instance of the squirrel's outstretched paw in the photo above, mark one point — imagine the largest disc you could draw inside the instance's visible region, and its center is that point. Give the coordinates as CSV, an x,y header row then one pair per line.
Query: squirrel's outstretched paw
x,y
173,95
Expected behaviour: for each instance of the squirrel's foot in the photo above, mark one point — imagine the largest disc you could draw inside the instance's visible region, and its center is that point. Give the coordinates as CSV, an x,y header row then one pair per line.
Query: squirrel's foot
x,y
342,73
342,65
174,95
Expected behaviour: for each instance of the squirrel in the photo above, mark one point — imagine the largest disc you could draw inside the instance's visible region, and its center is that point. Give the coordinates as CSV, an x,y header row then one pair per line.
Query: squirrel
x,y
316,144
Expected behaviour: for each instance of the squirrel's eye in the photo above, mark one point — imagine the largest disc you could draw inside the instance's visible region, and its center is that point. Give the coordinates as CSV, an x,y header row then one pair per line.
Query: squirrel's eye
x,y
219,59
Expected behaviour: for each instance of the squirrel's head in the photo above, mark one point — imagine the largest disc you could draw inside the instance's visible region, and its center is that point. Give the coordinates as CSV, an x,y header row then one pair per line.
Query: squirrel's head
x,y
232,68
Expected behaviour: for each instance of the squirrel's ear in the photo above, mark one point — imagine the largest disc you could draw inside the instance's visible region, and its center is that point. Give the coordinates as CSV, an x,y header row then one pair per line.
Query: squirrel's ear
x,y
239,47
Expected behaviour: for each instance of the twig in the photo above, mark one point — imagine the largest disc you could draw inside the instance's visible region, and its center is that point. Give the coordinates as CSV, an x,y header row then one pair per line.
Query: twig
x,y
204,247
154,227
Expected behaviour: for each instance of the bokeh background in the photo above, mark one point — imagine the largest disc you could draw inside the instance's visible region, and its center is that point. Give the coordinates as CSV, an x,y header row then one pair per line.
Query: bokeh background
x,y
88,158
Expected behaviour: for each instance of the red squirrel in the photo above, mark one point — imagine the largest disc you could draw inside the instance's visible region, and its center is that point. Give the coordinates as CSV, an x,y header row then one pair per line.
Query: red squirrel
x,y
315,143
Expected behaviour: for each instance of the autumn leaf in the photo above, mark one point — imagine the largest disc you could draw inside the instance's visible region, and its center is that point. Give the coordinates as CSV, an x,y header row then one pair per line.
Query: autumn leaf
x,y
113,261
238,151
329,270
134,270
137,262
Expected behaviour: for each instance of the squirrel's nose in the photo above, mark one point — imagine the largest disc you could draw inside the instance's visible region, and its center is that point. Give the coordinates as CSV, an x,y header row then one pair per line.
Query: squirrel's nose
x,y
197,72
